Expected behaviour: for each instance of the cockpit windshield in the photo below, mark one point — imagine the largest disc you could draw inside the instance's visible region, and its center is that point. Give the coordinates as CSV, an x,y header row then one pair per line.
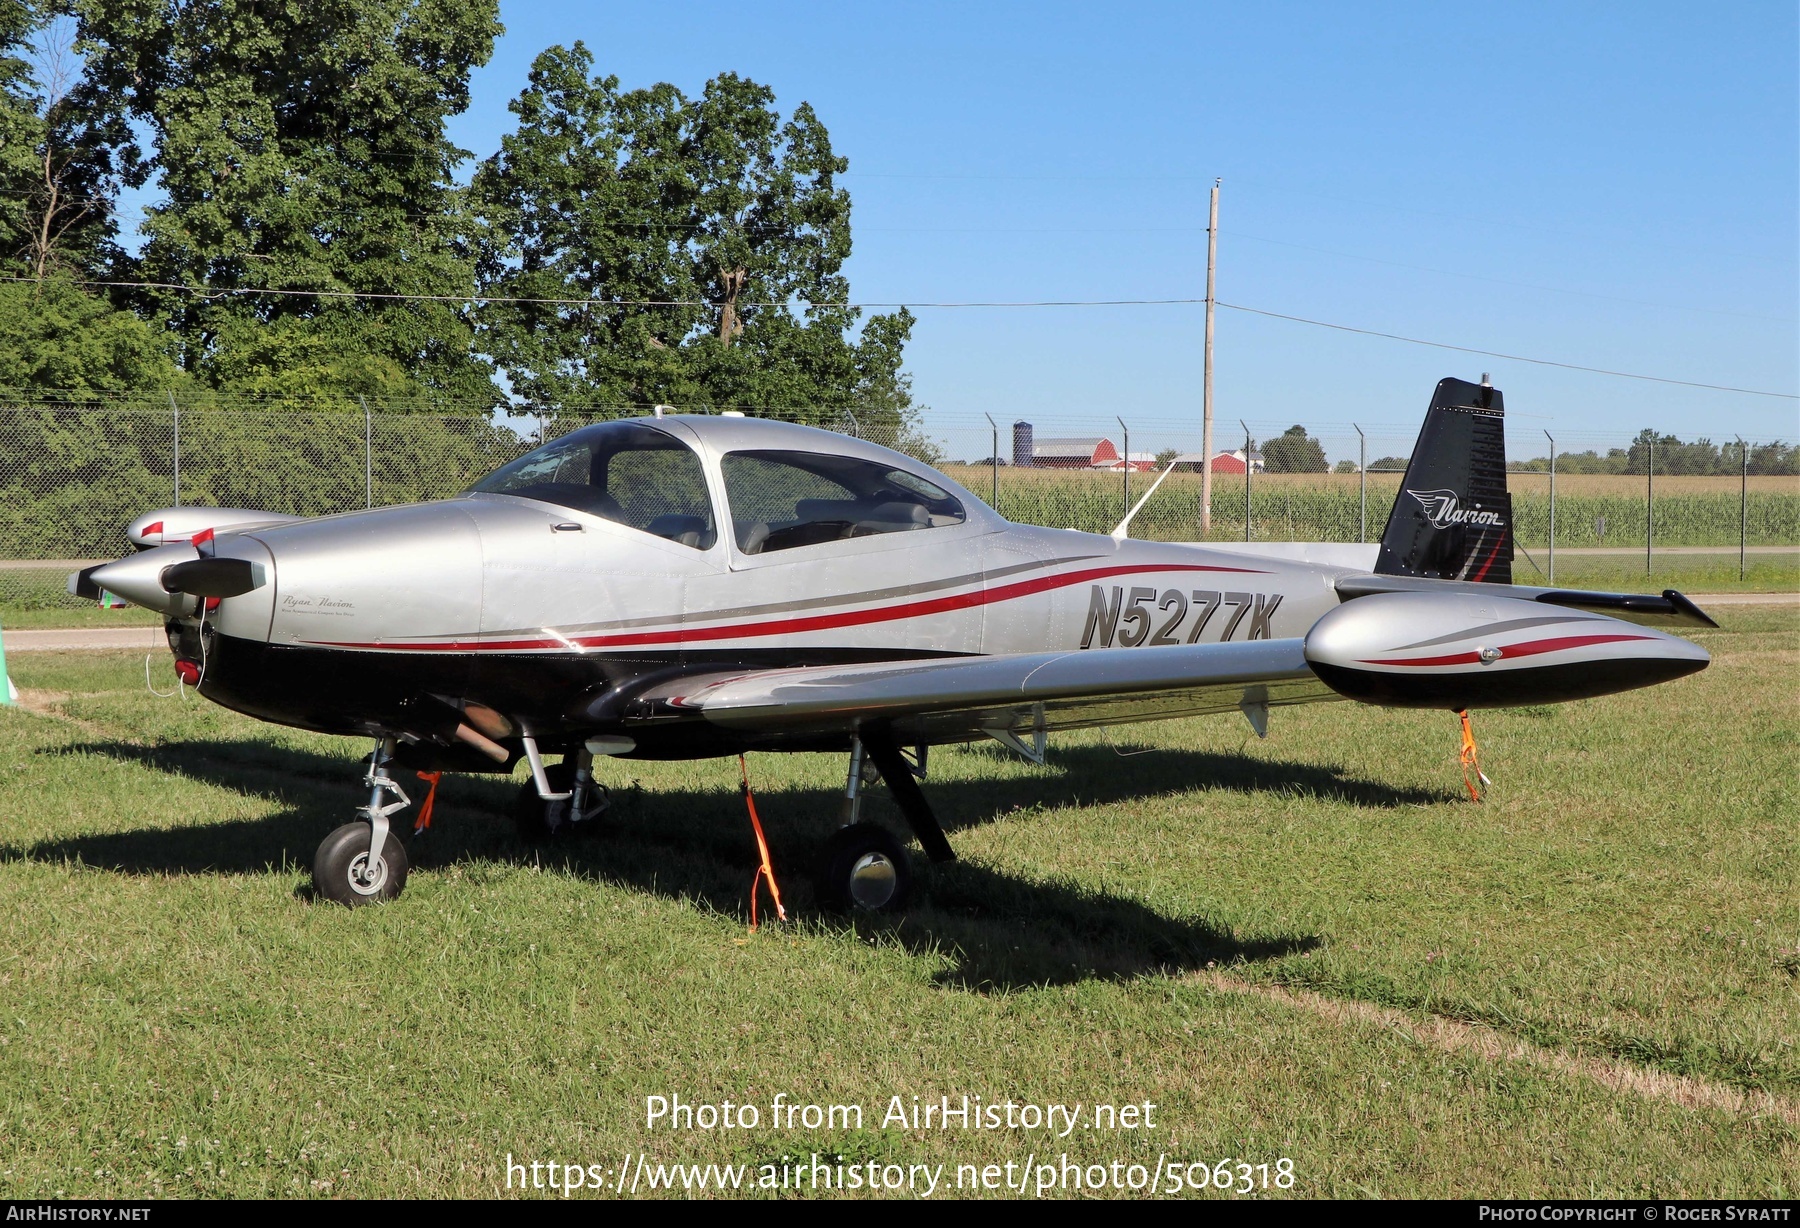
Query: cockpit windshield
x,y
627,472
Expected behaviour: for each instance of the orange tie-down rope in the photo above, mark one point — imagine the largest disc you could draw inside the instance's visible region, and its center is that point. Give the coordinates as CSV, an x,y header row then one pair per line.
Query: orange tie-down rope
x,y
1470,761
424,820
766,870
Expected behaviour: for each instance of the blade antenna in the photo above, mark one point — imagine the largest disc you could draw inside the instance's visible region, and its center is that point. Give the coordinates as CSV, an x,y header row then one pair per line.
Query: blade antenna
x,y
1123,529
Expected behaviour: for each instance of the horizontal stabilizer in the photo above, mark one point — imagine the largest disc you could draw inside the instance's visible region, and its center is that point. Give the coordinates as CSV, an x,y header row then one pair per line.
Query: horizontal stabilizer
x,y
1667,609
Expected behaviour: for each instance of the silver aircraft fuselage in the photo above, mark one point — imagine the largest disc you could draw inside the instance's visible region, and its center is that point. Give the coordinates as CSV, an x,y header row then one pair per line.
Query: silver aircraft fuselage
x,y
564,621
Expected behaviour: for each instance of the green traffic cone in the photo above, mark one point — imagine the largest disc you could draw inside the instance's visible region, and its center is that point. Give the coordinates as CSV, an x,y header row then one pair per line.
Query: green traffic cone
x,y
9,694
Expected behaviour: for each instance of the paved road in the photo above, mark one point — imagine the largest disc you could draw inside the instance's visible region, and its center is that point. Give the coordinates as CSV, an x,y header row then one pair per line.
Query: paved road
x,y
1705,599
48,564
1638,550
85,638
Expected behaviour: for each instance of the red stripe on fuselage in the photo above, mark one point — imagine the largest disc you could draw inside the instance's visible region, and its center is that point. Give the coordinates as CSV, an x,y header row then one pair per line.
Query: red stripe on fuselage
x,y
1530,648
795,626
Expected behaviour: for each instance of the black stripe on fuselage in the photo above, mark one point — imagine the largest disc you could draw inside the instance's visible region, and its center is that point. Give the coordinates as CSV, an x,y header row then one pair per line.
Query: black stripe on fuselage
x,y
562,697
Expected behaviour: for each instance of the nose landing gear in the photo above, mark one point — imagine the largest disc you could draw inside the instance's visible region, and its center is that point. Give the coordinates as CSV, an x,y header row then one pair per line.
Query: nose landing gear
x,y
363,862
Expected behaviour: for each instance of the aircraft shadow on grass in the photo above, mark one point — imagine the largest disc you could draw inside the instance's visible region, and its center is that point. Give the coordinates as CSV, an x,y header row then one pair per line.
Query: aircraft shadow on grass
x,y
998,930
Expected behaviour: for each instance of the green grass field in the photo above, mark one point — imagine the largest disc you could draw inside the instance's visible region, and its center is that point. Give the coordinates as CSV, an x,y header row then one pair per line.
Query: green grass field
x,y
1313,947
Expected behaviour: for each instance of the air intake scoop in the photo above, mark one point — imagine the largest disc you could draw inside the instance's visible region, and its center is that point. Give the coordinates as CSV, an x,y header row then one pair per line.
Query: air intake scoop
x,y
214,577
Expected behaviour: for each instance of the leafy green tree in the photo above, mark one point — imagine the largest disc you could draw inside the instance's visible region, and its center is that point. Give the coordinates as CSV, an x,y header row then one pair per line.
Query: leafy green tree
x,y
300,146
20,131
1775,458
57,181
1293,451
701,243
56,336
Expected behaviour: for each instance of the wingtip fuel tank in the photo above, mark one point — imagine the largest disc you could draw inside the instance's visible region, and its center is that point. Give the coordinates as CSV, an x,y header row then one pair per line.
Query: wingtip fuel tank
x,y
1440,650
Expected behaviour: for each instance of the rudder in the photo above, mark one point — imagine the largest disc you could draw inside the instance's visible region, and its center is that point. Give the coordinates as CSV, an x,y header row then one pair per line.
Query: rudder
x,y
1452,519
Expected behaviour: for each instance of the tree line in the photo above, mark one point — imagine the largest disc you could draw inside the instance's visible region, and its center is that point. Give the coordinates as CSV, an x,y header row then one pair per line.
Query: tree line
x,y
298,158
1669,455
1295,452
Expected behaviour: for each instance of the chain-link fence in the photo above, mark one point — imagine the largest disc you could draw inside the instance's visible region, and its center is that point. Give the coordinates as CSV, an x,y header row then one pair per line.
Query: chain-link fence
x,y
73,473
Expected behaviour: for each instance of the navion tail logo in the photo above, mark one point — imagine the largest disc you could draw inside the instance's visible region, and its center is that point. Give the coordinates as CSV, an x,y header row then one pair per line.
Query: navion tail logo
x,y
1442,510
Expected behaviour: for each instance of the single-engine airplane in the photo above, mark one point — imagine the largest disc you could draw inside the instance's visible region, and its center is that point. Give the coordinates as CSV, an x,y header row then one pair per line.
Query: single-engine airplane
x,y
693,586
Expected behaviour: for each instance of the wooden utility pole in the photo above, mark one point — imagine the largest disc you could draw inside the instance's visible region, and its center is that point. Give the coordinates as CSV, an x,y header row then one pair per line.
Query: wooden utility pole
x,y
1206,412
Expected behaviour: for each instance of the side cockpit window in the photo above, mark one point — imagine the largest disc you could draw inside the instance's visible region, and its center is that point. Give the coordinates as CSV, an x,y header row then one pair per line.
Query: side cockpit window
x,y
626,472
780,500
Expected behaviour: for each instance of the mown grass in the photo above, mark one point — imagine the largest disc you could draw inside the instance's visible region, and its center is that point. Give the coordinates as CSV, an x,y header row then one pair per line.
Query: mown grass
x,y
180,1017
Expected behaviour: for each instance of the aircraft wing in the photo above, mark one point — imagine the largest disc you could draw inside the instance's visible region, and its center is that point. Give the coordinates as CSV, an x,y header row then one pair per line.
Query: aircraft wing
x,y
947,699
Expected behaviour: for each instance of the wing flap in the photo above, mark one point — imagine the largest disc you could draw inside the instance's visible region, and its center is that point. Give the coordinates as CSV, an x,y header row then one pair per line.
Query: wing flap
x,y
955,698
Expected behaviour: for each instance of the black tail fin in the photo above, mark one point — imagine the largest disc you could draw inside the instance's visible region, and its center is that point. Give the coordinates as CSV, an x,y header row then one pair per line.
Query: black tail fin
x,y
1452,519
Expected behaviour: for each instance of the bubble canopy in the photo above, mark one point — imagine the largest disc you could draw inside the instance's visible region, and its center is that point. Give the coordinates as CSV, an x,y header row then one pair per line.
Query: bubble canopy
x,y
638,475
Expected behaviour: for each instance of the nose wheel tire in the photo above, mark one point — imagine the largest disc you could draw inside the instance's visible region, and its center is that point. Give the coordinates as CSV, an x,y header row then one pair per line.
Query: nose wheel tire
x,y
864,869
343,874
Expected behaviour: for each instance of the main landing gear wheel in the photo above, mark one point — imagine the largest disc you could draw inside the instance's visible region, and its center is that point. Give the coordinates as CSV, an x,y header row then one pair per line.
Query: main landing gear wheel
x,y
864,869
539,822
342,872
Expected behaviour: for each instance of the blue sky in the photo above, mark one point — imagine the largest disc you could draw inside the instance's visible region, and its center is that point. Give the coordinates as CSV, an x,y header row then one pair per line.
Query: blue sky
x,y
1613,185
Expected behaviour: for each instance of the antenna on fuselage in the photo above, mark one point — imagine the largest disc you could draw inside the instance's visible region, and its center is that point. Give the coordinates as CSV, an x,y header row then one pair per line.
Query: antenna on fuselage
x,y
1123,530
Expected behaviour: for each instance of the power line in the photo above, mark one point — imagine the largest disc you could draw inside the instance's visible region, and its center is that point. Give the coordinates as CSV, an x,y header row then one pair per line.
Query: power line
x,y
604,302
591,303
1501,281
1542,362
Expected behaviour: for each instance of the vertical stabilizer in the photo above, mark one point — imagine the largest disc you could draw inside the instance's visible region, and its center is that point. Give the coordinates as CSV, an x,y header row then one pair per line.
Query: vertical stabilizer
x,y
1452,519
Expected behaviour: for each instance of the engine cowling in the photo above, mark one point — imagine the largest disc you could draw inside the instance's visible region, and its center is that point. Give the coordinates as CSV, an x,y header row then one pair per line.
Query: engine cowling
x,y
1456,651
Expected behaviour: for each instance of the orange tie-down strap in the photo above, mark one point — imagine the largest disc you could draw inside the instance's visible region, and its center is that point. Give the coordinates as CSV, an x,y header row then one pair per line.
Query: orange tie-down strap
x,y
1471,762
766,869
423,823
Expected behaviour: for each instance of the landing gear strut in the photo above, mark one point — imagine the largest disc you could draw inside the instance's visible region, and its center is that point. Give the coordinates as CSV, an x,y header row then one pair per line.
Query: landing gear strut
x,y
863,866
364,862
560,798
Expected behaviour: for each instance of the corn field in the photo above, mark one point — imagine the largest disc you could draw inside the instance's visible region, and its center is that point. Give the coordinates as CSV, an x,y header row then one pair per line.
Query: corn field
x,y
1303,508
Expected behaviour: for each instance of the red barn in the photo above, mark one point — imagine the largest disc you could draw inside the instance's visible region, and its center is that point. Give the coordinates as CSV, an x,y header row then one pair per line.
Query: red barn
x,y
1233,462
